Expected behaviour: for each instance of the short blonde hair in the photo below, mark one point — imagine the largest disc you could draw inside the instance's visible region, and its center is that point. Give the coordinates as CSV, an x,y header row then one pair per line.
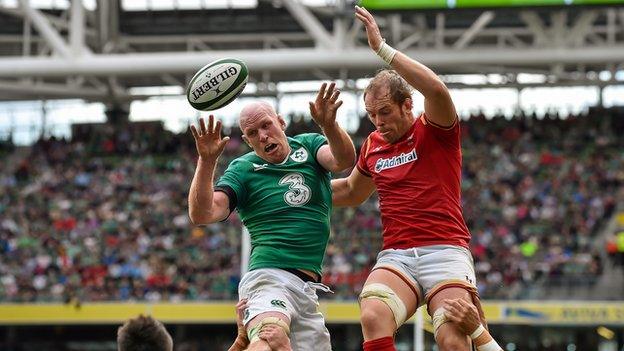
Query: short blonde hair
x,y
398,88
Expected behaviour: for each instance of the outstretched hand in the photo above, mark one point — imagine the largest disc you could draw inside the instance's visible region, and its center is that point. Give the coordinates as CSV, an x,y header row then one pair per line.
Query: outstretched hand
x,y
323,109
463,314
241,306
372,30
208,140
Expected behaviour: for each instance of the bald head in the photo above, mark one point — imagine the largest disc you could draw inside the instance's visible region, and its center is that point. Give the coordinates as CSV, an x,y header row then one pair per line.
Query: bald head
x,y
254,112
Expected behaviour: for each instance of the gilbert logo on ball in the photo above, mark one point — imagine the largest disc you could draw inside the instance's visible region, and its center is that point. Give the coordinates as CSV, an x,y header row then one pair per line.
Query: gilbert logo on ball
x,y
217,84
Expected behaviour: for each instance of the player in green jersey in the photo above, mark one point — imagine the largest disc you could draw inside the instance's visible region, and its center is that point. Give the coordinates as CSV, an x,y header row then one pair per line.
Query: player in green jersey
x,y
282,192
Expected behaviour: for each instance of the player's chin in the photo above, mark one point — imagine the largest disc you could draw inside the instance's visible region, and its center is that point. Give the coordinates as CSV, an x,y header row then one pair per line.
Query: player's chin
x,y
388,137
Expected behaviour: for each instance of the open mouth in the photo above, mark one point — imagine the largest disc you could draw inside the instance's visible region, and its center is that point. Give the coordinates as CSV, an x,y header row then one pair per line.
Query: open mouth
x,y
270,147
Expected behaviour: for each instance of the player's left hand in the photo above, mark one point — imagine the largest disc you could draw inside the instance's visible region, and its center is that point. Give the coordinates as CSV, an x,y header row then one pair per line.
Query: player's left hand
x,y
463,314
372,30
241,306
323,109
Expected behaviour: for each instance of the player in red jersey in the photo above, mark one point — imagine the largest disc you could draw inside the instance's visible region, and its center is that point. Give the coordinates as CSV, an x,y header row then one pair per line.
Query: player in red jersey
x,y
415,165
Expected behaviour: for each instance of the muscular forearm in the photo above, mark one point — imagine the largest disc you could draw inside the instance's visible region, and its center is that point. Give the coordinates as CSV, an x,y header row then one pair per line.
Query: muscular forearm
x,y
340,192
418,75
343,194
202,192
240,344
341,146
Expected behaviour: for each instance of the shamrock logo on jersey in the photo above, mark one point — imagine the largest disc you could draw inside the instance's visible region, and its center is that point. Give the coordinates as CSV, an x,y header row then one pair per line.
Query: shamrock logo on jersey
x,y
300,155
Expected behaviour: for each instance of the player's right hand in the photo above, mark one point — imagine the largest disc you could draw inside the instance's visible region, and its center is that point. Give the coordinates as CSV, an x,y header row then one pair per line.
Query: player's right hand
x,y
208,140
463,314
324,108
372,30
276,337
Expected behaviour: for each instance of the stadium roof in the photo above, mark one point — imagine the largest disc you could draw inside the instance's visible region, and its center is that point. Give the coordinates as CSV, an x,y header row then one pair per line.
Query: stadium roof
x,y
99,49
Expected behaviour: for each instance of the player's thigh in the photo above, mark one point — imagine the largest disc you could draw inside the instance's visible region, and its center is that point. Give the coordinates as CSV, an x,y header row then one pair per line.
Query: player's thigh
x,y
441,265
309,332
398,285
448,335
257,322
259,318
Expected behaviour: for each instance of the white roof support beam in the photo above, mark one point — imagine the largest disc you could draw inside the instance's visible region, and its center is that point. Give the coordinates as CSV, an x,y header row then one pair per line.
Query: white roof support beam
x,y
56,22
484,19
310,23
77,28
409,40
577,34
352,35
43,26
536,26
50,90
440,26
26,38
395,28
559,28
295,59
340,26
612,25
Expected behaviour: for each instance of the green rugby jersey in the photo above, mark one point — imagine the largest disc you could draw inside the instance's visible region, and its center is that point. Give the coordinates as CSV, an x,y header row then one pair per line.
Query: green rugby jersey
x,y
286,207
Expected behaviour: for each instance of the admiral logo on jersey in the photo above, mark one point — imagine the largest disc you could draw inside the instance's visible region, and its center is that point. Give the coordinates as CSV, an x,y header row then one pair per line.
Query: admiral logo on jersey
x,y
396,161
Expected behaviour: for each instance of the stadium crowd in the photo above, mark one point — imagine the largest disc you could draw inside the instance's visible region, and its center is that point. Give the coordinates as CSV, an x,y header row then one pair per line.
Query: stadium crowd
x,y
104,216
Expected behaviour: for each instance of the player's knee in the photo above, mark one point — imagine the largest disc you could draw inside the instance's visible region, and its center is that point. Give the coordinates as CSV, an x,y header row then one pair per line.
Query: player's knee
x,y
259,345
374,315
381,305
452,342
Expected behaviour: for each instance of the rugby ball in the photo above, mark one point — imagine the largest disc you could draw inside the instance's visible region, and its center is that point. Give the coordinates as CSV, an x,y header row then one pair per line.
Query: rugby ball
x,y
217,84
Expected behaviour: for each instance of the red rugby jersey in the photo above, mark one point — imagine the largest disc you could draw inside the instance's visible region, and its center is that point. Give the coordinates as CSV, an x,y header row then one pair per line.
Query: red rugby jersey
x,y
418,181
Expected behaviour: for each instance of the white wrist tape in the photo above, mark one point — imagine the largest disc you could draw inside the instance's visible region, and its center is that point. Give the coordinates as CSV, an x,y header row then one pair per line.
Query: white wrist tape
x,y
475,334
386,52
491,345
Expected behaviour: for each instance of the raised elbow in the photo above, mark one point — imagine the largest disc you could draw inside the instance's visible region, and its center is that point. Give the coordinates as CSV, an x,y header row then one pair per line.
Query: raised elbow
x,y
343,166
198,220
346,163
439,89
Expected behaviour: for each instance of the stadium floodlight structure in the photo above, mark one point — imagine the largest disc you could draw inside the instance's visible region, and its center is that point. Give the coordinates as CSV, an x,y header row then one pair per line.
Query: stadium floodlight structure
x,y
97,55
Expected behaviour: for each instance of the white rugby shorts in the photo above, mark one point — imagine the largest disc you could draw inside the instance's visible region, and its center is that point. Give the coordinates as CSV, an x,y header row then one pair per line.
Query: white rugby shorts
x,y
429,267
276,290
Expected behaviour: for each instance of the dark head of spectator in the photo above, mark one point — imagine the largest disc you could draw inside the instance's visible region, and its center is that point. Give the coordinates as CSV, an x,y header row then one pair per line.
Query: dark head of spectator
x,y
143,334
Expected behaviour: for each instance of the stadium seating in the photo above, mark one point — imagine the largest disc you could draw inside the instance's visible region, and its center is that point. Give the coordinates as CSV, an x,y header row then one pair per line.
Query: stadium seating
x,y
104,217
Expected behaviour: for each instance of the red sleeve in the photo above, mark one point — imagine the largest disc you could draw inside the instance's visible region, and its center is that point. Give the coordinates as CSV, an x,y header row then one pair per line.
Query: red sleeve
x,y
361,164
448,136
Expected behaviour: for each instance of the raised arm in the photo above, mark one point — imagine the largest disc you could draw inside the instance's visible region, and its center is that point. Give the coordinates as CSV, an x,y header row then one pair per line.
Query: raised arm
x,y
352,190
339,154
205,205
439,107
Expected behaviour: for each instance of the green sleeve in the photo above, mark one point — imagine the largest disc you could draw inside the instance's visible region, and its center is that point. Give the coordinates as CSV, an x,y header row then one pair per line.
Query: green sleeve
x,y
313,142
232,178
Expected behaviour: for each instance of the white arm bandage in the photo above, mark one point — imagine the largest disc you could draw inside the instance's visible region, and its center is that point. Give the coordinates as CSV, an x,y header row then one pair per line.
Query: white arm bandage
x,y
386,52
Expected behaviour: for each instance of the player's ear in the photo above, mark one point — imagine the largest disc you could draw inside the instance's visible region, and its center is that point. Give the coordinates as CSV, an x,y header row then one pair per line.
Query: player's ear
x,y
246,140
281,122
407,105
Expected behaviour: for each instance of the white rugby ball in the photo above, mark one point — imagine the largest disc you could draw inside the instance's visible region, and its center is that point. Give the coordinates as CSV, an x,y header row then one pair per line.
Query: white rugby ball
x,y
217,84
